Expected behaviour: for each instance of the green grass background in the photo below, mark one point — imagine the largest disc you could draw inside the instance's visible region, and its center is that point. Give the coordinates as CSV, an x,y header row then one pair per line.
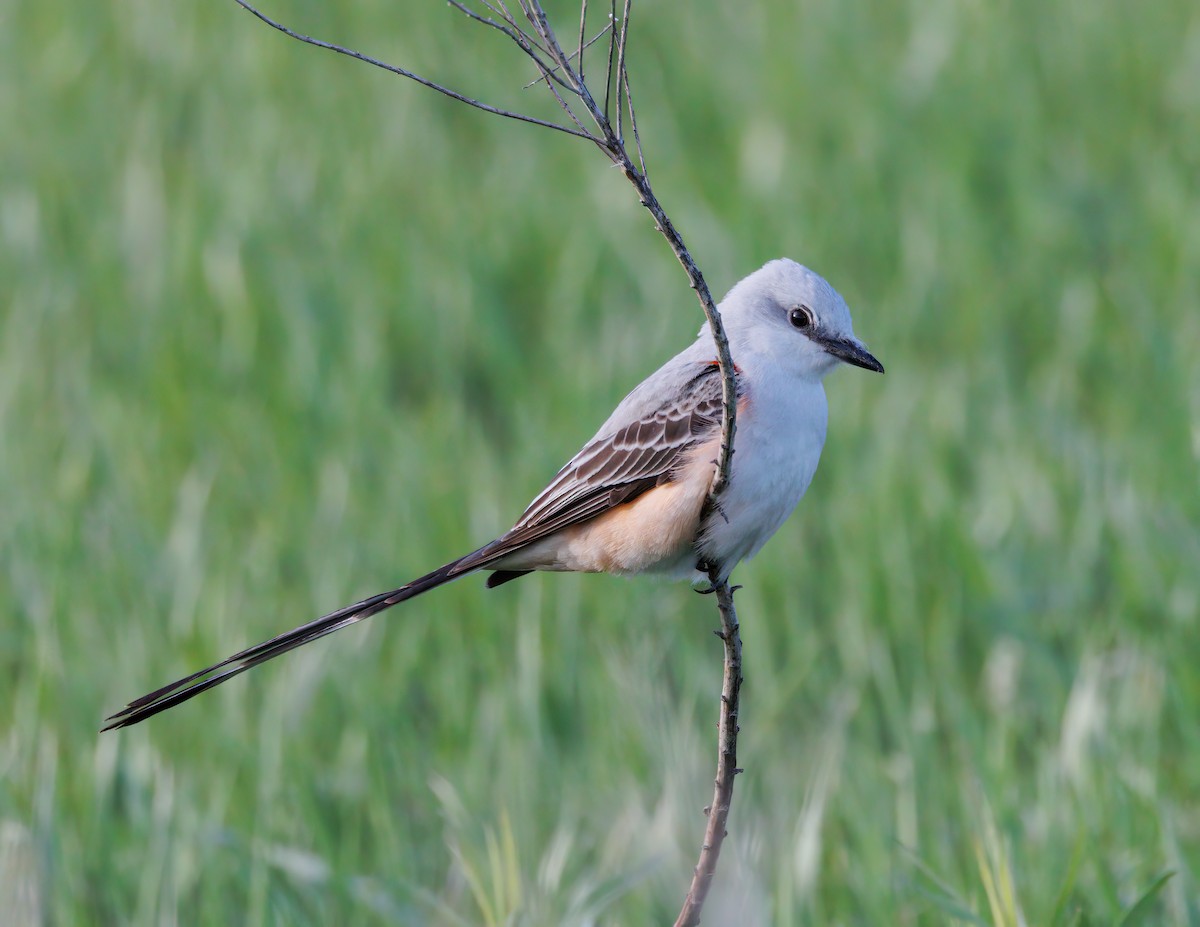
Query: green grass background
x,y
278,331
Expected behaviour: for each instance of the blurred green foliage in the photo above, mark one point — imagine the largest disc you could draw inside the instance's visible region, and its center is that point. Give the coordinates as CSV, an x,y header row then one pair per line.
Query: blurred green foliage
x,y
278,331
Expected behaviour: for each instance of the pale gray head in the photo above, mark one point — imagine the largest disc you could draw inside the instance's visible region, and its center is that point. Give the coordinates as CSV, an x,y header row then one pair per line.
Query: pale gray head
x,y
788,313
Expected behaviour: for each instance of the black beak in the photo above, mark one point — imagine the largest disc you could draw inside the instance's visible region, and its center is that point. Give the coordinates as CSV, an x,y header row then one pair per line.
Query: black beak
x,y
850,351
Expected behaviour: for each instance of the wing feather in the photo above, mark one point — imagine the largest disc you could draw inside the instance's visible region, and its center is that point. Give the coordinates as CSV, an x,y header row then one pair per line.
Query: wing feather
x,y
617,467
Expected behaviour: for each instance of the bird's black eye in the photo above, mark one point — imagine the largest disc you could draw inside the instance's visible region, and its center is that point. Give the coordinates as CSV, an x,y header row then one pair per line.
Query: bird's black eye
x,y
801,317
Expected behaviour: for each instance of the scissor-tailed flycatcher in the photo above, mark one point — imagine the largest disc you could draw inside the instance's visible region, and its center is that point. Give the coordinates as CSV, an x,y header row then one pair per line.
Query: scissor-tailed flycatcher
x,y
632,501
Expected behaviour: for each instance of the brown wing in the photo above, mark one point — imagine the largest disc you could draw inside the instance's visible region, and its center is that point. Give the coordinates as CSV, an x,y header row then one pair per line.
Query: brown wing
x,y
617,468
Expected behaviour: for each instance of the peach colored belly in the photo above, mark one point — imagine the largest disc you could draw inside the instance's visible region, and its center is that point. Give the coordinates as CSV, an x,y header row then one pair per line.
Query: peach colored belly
x,y
654,532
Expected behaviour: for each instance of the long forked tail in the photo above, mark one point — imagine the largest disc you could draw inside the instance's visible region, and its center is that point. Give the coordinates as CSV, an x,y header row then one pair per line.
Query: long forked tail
x,y
190,686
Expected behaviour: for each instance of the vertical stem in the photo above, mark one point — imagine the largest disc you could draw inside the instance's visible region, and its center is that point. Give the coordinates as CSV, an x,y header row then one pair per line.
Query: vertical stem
x,y
727,768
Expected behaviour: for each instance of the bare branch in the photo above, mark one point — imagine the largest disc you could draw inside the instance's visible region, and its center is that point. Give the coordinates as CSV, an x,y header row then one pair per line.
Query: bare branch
x,y
622,73
394,69
637,138
547,77
537,16
512,30
590,42
528,13
557,71
509,28
582,32
501,10
727,768
612,44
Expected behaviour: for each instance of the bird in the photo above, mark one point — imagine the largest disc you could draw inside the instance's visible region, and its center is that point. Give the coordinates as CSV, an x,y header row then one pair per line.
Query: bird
x,y
634,500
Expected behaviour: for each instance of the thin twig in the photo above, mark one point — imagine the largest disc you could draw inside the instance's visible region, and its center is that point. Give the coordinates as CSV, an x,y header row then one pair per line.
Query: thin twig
x,y
499,11
590,42
537,16
621,68
425,82
582,32
623,76
524,41
564,105
727,768
509,28
637,138
612,44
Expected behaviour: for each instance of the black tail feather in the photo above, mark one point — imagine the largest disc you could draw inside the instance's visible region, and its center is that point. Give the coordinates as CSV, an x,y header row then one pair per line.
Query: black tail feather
x,y
500,577
190,686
